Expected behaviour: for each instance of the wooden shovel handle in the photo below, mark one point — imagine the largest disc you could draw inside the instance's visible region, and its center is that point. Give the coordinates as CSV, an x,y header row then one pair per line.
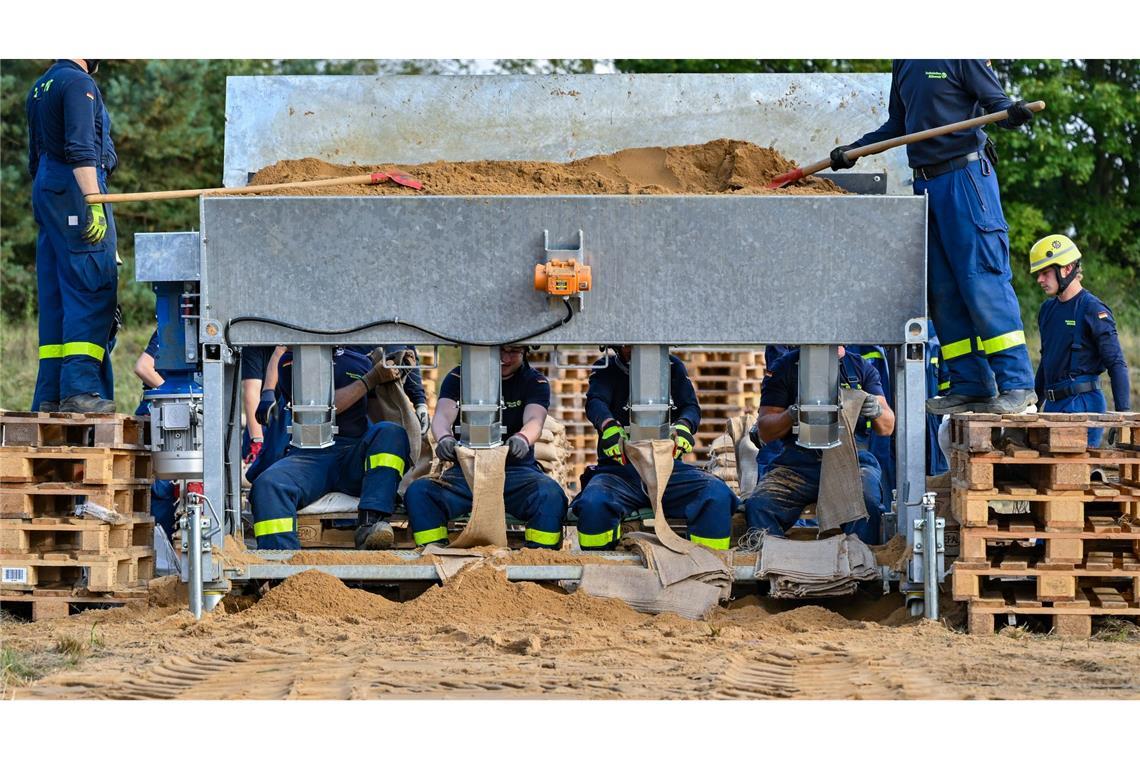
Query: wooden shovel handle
x,y
165,195
926,134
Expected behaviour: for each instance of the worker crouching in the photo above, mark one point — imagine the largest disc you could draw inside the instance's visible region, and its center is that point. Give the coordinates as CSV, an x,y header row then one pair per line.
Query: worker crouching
x,y
529,494
794,479
366,460
612,490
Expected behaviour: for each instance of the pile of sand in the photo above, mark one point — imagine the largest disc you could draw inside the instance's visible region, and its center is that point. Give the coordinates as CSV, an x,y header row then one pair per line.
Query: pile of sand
x,y
720,166
483,594
315,593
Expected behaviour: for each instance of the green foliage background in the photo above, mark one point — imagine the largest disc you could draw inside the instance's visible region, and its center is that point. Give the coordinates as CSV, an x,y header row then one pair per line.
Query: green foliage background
x,y
1071,170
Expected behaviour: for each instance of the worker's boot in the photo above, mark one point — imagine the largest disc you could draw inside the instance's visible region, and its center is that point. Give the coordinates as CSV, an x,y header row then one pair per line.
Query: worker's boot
x,y
956,403
87,403
49,406
374,532
1013,401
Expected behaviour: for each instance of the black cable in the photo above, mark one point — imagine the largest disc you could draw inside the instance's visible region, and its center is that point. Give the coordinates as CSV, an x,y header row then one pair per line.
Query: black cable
x,y
397,321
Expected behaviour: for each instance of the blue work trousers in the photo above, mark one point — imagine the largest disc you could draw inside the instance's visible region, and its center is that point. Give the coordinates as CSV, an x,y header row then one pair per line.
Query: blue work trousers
x,y
275,440
76,283
529,494
615,492
972,301
369,467
1090,402
793,483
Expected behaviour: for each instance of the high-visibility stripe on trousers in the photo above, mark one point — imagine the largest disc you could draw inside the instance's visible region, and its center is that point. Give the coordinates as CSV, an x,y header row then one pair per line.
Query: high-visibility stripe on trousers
x,y
972,301
613,492
528,493
369,467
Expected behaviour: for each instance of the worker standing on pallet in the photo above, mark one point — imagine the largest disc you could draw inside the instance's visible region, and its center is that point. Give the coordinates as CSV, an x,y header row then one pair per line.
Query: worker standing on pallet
x,y
794,479
528,493
70,155
612,490
971,298
366,460
1078,337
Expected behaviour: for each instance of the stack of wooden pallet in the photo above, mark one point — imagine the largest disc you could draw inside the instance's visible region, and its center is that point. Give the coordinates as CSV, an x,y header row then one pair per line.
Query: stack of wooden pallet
x,y
1040,535
52,560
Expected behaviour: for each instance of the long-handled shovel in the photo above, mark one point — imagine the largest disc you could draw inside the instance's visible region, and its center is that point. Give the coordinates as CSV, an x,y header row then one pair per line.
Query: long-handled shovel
x,y
788,178
375,178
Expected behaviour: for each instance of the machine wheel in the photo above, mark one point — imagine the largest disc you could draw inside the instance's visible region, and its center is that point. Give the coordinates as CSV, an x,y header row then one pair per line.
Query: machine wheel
x,y
915,606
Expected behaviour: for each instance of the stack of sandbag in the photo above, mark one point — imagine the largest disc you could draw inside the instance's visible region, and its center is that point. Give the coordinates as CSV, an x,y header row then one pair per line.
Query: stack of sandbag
x,y
805,569
552,450
722,460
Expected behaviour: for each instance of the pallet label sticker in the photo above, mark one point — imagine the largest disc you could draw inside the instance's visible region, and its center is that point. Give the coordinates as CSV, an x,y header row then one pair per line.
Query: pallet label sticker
x,y
15,575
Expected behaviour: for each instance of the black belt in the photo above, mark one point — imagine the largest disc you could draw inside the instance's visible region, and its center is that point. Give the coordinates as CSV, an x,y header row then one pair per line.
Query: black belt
x,y
1072,390
933,170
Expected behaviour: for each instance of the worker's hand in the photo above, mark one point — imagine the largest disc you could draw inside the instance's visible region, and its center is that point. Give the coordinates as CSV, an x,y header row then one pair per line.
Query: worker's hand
x,y
96,224
754,436
422,415
445,449
840,159
379,374
682,440
871,408
266,408
518,446
254,449
613,437
1019,113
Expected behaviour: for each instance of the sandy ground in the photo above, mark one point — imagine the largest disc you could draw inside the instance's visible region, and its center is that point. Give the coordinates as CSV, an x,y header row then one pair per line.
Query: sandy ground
x,y
483,637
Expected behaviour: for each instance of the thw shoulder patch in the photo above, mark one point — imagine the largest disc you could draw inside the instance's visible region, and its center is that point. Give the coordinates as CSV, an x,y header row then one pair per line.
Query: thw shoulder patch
x,y
90,95
1102,315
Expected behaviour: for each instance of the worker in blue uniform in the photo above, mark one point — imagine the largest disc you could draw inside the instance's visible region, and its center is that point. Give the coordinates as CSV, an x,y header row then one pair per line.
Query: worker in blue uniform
x,y
937,381
529,494
366,460
70,155
272,413
612,489
882,447
793,482
767,452
163,493
971,298
1078,337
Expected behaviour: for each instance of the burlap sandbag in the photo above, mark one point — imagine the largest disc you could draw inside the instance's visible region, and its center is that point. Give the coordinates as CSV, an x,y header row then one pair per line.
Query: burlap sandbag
x,y
653,461
485,473
840,497
393,405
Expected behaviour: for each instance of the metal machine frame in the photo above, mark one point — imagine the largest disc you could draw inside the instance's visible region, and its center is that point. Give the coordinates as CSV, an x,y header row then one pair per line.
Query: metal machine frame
x,y
821,270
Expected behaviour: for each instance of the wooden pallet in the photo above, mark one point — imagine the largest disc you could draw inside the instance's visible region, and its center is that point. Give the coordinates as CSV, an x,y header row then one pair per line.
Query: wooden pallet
x,y
1059,550
18,500
1047,432
40,429
972,581
49,605
72,464
1077,624
117,571
73,536
1050,511
979,472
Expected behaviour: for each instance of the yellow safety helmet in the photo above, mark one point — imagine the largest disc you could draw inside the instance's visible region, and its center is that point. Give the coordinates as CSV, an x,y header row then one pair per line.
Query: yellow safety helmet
x,y
1050,250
